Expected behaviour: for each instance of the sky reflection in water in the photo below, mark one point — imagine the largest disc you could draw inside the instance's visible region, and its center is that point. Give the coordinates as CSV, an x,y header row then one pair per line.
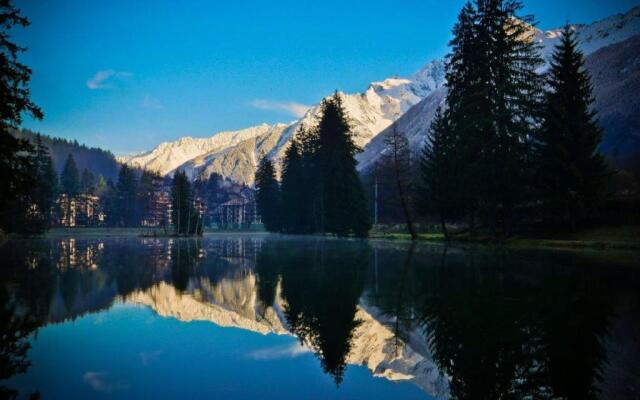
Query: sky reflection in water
x,y
261,316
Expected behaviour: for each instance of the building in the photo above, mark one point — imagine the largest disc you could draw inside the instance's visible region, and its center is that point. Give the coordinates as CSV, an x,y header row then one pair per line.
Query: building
x,y
80,210
239,212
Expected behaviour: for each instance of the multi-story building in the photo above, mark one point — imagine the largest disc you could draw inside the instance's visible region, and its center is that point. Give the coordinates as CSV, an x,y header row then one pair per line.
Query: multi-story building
x,y
80,210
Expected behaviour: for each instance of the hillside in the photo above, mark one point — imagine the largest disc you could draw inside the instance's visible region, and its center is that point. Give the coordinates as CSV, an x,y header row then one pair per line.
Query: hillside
x,y
96,160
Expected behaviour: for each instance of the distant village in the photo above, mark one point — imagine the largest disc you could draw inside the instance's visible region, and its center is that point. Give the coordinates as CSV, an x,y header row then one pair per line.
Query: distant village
x,y
230,206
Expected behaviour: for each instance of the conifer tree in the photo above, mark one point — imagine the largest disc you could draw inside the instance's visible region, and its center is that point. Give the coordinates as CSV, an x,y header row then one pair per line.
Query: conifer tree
x,y
309,144
101,185
571,170
15,154
467,110
182,210
145,193
511,89
87,182
439,189
126,190
268,196
69,179
344,206
294,215
46,186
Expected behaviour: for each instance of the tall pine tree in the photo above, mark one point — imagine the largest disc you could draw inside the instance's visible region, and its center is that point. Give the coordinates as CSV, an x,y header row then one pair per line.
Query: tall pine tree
x,y
344,206
438,169
69,179
268,196
87,182
571,170
46,188
294,215
126,191
186,220
15,154
511,89
467,110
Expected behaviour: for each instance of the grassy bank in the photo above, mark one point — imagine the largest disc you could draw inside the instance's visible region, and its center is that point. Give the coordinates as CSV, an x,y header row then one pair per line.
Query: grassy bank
x,y
620,238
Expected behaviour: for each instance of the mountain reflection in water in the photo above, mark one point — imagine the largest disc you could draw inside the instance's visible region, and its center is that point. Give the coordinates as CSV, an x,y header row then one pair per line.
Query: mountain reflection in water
x,y
458,323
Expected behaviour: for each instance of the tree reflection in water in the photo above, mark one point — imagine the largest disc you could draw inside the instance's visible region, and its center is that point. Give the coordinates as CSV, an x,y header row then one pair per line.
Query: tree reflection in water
x,y
498,324
321,284
508,326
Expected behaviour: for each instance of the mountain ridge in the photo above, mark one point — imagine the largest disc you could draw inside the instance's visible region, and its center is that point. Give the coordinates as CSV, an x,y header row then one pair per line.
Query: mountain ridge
x,y
373,113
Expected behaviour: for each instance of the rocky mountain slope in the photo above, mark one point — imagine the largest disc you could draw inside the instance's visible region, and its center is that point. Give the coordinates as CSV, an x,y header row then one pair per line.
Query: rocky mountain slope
x,y
408,102
612,58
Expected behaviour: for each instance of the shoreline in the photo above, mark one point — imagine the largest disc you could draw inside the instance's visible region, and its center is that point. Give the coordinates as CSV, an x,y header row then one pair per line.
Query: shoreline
x,y
623,238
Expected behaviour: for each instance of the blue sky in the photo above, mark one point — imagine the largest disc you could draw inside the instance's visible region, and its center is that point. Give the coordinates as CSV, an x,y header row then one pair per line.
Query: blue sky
x,y
127,75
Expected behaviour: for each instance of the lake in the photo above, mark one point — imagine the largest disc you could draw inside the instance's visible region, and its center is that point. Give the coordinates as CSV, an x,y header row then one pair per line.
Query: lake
x,y
272,317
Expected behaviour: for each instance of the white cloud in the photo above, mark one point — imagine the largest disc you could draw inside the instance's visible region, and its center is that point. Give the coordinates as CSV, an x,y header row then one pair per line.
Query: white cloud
x,y
99,382
102,79
293,108
152,103
273,353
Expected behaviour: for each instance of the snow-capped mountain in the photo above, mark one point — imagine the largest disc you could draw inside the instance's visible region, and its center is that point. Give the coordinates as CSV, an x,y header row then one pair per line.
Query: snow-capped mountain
x,y
234,303
593,39
410,101
235,155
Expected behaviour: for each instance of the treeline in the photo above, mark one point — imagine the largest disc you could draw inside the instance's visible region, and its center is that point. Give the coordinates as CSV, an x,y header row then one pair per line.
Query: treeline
x,y
513,147
93,159
320,191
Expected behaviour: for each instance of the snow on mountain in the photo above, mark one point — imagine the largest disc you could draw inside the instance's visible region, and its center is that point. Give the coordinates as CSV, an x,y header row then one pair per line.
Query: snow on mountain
x,y
170,155
591,38
234,303
235,155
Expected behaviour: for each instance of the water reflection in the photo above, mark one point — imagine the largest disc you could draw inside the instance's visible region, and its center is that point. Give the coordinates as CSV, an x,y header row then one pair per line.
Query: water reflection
x,y
464,324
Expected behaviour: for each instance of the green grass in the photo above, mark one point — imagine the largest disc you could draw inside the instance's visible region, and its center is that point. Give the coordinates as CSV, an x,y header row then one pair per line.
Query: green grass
x,y
622,238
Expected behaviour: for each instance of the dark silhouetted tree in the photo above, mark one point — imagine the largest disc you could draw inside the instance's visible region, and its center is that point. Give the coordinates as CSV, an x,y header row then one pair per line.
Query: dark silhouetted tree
x,y
46,187
572,173
126,196
186,220
15,154
268,195
69,179
344,206
439,189
398,168
87,182
294,203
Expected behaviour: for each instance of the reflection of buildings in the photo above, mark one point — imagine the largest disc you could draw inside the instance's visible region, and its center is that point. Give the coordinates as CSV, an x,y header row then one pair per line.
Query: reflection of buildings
x,y
80,210
84,256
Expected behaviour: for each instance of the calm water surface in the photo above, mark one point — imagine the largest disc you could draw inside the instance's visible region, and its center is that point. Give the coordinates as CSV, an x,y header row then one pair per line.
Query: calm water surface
x,y
292,318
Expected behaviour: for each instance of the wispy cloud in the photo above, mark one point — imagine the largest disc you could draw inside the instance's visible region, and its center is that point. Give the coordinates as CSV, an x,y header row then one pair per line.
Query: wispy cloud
x,y
103,79
293,108
273,353
151,103
99,381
